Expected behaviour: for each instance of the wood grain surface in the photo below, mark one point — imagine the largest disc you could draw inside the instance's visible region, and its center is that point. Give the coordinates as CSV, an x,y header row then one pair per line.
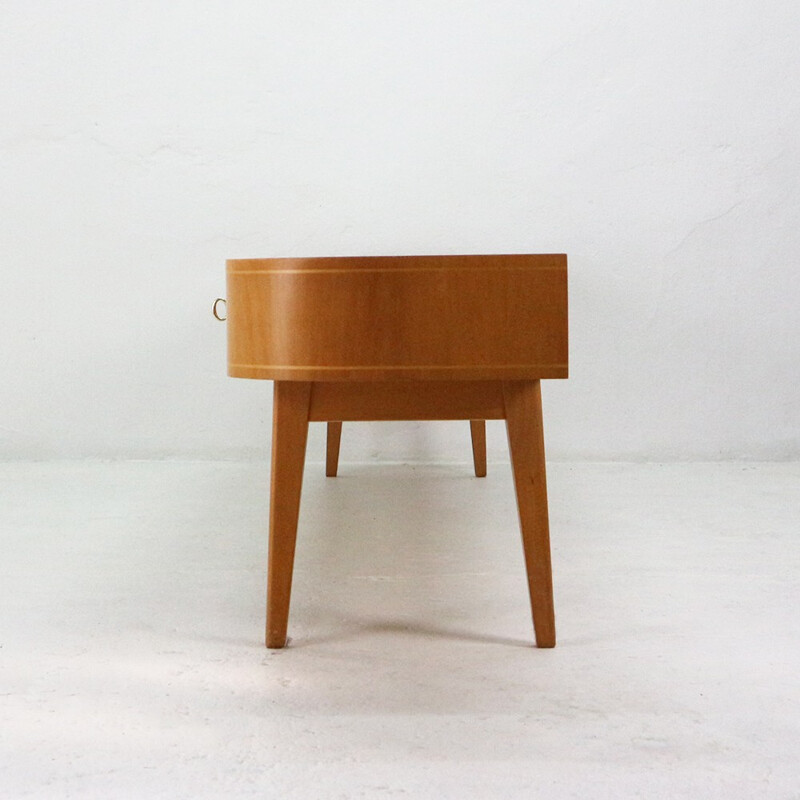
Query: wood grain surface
x,y
398,318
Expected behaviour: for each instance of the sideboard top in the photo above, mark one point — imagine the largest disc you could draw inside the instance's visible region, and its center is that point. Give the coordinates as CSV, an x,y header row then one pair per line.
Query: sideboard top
x,y
381,263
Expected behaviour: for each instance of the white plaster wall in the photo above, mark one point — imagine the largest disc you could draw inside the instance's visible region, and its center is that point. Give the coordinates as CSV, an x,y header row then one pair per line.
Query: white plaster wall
x,y
656,143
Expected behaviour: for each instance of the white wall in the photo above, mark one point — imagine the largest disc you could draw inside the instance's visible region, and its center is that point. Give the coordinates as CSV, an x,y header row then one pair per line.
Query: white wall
x,y
656,143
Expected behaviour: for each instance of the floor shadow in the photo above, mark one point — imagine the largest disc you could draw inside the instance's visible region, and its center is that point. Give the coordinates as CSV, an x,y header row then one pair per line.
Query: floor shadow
x,y
410,629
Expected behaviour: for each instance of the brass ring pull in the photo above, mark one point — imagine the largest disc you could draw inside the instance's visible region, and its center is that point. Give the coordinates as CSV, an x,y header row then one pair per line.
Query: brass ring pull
x,y
216,313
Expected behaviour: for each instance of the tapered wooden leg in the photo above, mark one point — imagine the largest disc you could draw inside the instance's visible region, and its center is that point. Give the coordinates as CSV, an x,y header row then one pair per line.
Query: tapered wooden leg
x,y
332,455
477,428
523,405
289,435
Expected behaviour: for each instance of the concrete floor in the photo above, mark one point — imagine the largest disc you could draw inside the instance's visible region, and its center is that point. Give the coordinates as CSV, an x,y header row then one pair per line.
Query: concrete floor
x,y
131,663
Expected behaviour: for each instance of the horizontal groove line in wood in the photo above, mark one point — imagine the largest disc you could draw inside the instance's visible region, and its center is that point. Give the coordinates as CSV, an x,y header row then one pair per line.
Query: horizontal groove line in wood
x,y
366,270
376,367
425,374
359,263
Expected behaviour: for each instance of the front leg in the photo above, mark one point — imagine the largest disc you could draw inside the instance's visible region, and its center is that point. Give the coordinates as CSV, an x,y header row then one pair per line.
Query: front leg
x,y
523,404
289,435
